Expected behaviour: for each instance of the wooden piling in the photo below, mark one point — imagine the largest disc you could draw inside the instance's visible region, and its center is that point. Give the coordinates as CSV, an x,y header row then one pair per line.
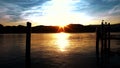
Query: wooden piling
x,y
108,39
105,38
28,46
108,42
97,42
102,34
97,46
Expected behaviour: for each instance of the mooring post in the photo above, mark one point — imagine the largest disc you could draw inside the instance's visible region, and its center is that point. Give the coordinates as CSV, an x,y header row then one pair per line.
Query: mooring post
x,y
102,35
97,46
28,45
108,39
105,37
97,42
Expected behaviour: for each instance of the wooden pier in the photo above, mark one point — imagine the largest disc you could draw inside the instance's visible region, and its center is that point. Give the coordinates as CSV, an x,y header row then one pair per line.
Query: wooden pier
x,y
103,43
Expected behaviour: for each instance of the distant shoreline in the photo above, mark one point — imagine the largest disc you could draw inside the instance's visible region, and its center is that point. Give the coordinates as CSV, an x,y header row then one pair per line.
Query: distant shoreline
x,y
71,28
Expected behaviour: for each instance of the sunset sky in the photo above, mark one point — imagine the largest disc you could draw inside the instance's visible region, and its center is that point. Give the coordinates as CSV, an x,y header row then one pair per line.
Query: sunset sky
x,y
59,12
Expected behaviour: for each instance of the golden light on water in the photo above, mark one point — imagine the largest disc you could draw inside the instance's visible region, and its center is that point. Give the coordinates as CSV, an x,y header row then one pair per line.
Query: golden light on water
x,y
62,41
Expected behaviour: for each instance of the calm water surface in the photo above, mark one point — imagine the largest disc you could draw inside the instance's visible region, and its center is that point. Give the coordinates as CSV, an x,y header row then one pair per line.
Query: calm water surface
x,y
52,50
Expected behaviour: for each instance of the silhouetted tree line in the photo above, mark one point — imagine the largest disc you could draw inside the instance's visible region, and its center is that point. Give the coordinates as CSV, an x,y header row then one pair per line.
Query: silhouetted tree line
x,y
12,29
71,28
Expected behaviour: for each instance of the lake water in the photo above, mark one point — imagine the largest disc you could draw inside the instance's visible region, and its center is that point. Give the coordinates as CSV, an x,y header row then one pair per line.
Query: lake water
x,y
51,50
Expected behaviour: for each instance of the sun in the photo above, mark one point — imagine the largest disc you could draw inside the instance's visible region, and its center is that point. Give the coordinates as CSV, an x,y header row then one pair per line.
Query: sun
x,y
62,27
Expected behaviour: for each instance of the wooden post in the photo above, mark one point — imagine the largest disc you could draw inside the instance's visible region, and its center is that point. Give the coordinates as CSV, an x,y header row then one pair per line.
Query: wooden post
x,y
97,42
102,34
109,39
28,45
105,37
97,46
104,57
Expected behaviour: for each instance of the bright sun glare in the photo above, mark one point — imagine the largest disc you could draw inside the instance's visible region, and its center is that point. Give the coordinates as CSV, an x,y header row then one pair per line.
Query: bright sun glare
x,y
58,12
62,25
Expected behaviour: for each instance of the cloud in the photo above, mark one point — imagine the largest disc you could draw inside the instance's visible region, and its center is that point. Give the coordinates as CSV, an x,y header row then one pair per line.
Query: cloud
x,y
22,10
110,0
115,10
96,9
25,3
11,10
54,11
34,11
100,9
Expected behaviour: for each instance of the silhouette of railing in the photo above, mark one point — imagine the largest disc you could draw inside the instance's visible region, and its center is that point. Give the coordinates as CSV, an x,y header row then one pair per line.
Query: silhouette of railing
x,y
103,43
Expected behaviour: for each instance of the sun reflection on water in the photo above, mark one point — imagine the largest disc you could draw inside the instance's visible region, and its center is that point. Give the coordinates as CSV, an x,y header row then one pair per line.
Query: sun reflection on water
x,y
62,41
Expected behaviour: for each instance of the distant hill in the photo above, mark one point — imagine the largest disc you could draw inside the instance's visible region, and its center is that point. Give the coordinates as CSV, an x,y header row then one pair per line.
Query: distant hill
x,y
71,28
